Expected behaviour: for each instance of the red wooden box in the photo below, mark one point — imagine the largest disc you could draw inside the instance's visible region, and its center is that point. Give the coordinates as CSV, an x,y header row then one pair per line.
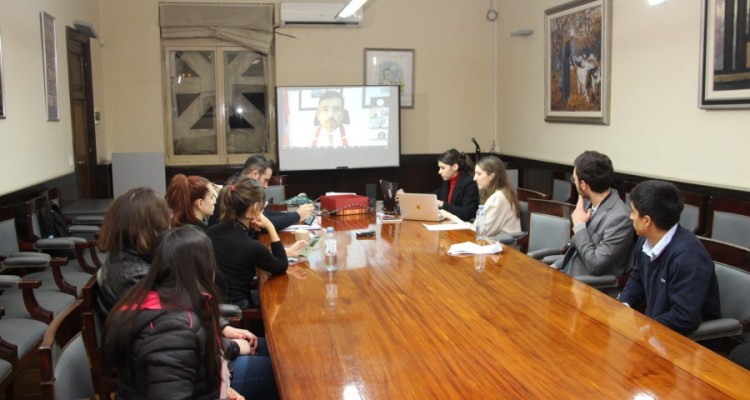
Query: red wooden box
x,y
344,204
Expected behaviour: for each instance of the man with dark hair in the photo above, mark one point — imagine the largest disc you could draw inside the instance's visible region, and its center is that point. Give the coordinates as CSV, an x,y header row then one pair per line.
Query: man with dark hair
x,y
603,235
329,121
673,273
260,168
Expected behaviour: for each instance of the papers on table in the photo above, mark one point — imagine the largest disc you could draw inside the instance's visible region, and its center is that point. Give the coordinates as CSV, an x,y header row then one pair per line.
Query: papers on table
x,y
312,227
473,248
447,227
388,218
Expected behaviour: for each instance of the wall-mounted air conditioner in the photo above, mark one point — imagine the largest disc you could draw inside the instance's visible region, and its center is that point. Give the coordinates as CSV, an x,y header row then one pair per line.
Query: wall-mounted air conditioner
x,y
299,14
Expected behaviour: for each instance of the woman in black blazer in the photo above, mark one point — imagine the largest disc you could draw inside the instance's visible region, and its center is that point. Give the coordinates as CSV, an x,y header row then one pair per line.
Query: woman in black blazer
x,y
458,194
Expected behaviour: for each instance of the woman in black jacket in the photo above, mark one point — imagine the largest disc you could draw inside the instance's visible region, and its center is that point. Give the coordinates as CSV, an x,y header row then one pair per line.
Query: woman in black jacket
x,y
458,194
163,336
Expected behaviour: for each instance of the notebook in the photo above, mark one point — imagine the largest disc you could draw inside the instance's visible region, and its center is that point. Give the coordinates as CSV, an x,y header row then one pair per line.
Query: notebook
x,y
419,206
389,195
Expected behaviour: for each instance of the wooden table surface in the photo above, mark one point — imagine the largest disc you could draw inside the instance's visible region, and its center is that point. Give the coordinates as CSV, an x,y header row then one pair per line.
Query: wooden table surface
x,y
401,319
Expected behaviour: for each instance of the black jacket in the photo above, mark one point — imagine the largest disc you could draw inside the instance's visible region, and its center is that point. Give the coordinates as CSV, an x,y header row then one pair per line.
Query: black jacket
x,y
465,200
166,357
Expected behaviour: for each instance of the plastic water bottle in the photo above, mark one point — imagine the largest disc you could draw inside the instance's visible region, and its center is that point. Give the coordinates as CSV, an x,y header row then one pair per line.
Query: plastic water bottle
x,y
330,250
479,221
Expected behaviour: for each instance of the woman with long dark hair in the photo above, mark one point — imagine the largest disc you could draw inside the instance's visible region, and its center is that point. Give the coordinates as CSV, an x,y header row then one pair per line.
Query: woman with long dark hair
x,y
458,194
163,335
192,200
501,207
129,231
237,251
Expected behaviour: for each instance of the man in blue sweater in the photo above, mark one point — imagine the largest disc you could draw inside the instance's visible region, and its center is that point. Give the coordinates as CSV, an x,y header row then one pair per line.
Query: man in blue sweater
x,y
673,273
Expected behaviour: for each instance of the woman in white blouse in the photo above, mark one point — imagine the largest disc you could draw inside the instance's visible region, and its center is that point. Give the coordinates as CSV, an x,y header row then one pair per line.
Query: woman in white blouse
x,y
501,208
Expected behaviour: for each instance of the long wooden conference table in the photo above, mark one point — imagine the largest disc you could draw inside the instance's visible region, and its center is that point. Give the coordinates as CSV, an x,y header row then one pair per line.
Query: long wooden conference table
x,y
402,319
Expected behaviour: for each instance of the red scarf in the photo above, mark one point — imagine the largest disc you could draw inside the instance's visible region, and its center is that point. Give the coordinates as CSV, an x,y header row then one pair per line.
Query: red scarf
x,y
344,142
452,185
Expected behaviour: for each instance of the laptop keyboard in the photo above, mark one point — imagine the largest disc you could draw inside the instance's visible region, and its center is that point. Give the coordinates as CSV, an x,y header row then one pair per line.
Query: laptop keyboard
x,y
310,246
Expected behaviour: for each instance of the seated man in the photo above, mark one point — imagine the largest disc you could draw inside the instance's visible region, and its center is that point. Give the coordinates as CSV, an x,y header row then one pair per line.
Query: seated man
x,y
673,273
260,168
603,234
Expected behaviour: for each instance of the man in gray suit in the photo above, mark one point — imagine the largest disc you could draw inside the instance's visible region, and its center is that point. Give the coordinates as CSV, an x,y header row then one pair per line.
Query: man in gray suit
x,y
603,233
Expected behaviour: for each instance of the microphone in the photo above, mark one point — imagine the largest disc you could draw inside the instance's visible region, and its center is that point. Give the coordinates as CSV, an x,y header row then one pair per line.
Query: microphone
x,y
475,144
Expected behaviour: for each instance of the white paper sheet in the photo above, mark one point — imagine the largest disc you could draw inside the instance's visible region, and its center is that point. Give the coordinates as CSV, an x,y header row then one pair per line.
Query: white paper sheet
x,y
473,248
312,227
446,227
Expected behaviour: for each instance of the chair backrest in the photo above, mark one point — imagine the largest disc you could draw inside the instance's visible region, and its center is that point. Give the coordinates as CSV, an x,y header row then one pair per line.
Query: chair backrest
x,y
279,180
549,224
63,366
733,273
8,235
693,215
729,220
562,190
523,196
93,326
512,177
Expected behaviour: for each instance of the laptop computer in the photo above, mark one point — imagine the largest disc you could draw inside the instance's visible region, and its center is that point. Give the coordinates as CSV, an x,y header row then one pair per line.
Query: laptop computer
x,y
419,206
389,195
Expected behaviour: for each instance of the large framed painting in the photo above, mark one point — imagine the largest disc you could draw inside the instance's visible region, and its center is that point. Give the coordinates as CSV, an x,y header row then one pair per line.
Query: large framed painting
x,y
577,62
725,49
392,67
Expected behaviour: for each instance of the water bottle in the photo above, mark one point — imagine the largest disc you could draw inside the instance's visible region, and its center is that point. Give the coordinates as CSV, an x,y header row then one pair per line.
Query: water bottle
x,y
330,250
480,224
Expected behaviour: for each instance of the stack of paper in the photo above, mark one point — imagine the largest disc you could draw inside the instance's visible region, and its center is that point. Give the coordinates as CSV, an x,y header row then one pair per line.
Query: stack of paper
x,y
473,248
388,218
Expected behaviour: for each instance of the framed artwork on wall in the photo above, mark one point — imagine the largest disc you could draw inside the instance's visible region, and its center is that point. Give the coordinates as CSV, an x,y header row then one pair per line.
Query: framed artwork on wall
x,y
49,56
725,45
577,62
392,67
2,89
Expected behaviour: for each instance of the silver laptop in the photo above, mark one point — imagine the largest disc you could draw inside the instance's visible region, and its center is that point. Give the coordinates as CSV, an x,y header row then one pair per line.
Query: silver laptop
x,y
275,194
419,206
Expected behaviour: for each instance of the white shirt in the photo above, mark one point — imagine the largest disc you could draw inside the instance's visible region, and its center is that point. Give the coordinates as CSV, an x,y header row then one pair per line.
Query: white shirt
x,y
655,251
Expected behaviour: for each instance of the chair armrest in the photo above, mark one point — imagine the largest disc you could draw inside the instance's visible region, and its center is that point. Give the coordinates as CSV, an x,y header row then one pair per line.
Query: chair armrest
x,y
717,328
599,282
509,238
84,230
541,253
26,262
30,254
549,260
230,312
9,281
63,243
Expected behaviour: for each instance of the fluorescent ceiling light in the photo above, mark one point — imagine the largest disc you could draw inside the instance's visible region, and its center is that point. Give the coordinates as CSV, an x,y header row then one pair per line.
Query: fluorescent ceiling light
x,y
655,2
351,8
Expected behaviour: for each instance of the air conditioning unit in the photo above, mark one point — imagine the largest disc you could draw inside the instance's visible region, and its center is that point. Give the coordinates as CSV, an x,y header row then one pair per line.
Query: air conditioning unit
x,y
299,14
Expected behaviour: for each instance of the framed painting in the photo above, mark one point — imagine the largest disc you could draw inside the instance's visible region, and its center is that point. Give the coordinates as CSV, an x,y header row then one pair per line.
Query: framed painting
x,y
392,67
2,89
49,55
725,45
577,62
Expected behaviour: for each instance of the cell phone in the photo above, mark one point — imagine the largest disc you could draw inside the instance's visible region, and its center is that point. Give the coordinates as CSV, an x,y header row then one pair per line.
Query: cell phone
x,y
309,220
365,234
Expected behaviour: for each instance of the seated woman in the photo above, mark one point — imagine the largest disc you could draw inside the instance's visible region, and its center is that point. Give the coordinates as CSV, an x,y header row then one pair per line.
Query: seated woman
x,y
458,194
163,335
129,230
238,253
501,208
191,199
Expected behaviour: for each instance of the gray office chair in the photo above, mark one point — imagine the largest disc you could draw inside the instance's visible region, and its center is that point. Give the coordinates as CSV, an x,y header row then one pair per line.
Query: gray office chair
x,y
64,367
733,273
729,221
549,227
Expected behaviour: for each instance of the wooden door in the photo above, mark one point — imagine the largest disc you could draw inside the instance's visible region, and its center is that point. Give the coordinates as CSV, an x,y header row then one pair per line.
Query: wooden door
x,y
82,112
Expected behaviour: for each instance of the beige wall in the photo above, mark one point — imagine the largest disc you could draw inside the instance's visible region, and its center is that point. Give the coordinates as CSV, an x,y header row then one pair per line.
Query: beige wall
x,y
33,149
656,127
454,53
